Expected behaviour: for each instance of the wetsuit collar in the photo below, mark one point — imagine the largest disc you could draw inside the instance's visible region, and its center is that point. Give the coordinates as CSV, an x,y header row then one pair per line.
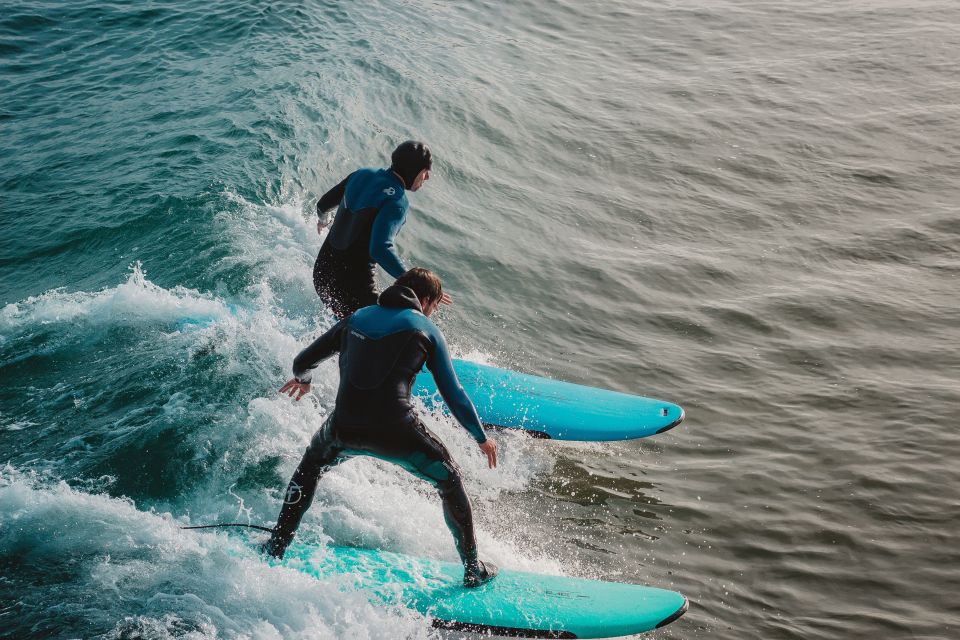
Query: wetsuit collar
x,y
397,177
398,296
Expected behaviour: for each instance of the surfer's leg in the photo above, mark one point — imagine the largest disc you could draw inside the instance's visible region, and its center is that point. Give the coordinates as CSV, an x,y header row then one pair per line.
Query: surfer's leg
x,y
322,271
432,462
344,300
457,511
342,288
356,291
413,447
325,284
324,452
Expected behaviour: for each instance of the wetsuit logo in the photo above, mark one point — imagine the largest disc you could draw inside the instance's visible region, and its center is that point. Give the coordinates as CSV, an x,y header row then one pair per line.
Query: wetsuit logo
x,y
389,191
293,494
357,335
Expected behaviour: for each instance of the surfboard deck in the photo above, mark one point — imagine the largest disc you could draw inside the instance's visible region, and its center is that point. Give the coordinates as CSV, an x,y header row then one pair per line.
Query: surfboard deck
x,y
515,603
552,408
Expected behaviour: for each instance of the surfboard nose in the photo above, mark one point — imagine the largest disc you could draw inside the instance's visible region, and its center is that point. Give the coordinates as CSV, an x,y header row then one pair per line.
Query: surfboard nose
x,y
672,411
676,614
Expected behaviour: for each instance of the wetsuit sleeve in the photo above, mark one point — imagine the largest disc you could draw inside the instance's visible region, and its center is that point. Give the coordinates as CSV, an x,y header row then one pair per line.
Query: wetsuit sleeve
x,y
441,366
333,197
321,349
385,228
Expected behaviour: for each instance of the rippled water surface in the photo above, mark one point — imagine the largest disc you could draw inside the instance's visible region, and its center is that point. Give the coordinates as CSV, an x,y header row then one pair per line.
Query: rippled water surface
x,y
746,207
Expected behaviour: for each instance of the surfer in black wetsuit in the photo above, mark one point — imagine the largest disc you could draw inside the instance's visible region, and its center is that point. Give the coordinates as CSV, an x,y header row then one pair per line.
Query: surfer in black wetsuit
x,y
382,348
372,206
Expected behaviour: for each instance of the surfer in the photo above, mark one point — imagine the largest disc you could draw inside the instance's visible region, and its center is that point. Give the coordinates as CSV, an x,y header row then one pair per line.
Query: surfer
x,y
382,348
371,208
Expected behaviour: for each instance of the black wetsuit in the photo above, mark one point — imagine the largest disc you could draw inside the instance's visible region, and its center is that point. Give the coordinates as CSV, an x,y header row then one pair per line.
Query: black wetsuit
x,y
372,206
382,348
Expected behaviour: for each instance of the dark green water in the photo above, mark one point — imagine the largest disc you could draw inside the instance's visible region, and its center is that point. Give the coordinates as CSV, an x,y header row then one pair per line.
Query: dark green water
x,y
748,208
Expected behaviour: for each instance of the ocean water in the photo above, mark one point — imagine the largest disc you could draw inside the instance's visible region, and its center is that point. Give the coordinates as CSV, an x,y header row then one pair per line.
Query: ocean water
x,y
747,207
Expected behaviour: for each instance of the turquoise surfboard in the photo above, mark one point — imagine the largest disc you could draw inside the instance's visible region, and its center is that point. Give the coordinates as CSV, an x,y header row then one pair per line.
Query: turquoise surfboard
x,y
515,603
553,408
540,406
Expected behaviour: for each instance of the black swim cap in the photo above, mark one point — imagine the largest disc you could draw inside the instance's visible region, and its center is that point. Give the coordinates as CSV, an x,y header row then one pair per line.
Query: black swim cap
x,y
409,159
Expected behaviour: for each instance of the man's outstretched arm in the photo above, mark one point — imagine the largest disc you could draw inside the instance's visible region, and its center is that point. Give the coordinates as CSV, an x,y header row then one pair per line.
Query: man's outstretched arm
x,y
307,360
457,399
441,366
385,228
318,351
333,197
328,201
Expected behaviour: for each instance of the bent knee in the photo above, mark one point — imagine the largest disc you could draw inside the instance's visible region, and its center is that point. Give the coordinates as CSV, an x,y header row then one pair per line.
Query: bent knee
x,y
443,474
322,448
452,483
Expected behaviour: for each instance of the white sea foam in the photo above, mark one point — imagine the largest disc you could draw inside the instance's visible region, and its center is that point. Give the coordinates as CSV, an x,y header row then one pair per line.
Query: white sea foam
x,y
172,583
277,245
136,300
165,582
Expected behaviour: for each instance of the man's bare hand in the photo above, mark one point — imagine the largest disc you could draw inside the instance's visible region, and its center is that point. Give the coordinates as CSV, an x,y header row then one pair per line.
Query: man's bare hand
x,y
445,299
489,447
322,224
293,387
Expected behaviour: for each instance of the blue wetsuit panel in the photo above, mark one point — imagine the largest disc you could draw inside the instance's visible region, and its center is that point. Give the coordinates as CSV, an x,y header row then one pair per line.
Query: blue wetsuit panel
x,y
372,210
